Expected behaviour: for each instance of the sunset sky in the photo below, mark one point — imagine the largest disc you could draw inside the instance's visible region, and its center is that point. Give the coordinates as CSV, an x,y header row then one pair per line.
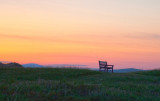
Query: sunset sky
x,y
125,33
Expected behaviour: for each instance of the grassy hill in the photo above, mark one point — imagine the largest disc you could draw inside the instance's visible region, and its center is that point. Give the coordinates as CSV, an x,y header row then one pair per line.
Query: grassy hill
x,y
46,84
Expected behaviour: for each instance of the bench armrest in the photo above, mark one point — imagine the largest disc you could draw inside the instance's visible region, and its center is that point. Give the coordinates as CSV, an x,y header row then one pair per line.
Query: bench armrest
x,y
109,65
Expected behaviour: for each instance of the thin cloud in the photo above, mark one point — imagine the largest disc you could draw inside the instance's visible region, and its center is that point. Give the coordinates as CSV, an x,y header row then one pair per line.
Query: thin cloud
x,y
31,38
54,39
144,36
82,39
16,36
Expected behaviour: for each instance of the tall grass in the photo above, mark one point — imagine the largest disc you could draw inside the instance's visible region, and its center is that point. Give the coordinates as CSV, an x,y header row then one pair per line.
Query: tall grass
x,y
61,84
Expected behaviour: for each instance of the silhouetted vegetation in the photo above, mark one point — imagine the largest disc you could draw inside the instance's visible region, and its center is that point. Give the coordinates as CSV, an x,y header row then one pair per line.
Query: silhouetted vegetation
x,y
47,84
10,65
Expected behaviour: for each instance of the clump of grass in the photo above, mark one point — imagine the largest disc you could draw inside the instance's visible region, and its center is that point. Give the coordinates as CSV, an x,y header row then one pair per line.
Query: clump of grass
x,y
150,73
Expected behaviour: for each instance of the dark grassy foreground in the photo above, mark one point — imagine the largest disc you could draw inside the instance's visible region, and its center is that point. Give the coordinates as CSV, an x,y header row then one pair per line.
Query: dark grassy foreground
x,y
74,84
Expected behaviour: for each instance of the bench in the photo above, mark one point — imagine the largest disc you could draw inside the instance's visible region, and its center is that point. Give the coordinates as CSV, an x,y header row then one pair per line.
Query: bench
x,y
103,66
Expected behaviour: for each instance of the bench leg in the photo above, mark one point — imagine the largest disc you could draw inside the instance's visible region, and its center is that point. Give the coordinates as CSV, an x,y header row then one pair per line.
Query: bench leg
x,y
112,70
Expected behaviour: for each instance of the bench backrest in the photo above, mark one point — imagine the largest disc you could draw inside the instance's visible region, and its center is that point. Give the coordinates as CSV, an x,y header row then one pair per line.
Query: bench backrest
x,y
102,64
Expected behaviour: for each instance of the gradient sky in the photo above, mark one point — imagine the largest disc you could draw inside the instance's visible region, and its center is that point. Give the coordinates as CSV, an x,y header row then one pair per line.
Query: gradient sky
x,y
125,33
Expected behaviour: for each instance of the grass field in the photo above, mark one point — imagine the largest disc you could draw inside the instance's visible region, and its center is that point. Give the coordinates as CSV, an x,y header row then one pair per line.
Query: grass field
x,y
19,84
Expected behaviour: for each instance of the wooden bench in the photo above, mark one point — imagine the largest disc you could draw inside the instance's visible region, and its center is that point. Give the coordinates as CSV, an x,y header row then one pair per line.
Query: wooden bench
x,y
103,66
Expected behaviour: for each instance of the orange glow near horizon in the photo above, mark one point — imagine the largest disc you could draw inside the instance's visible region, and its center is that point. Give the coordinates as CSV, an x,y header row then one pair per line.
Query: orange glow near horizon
x,y
81,32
